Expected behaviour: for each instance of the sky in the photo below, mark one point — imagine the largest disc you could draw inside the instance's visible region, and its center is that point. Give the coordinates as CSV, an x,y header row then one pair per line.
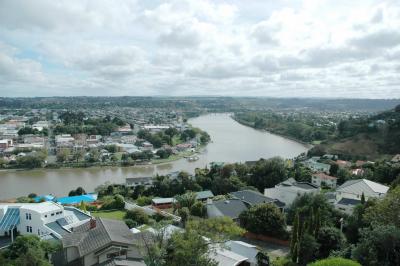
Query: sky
x,y
286,48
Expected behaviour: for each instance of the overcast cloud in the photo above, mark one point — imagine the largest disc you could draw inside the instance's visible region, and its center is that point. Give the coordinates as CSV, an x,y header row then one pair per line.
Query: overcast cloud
x,y
308,48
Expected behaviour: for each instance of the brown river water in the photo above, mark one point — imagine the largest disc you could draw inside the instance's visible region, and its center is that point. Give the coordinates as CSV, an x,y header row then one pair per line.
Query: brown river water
x,y
231,142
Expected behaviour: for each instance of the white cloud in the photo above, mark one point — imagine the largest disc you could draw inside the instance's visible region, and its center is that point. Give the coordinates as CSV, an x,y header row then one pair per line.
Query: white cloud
x,y
270,48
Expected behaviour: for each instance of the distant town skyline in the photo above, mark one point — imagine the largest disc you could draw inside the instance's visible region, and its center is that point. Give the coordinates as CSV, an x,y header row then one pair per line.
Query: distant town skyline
x,y
288,48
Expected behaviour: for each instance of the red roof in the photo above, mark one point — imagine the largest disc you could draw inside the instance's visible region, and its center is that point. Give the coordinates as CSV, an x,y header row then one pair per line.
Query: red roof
x,y
324,176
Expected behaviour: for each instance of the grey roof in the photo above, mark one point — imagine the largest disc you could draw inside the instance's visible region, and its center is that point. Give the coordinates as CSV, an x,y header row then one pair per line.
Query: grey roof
x,y
305,185
80,215
346,201
244,249
122,262
106,231
56,227
251,197
200,195
232,208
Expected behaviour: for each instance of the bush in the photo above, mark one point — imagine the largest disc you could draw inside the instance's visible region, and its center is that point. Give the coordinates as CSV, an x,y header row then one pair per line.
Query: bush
x,y
265,219
113,203
137,215
143,200
130,223
335,262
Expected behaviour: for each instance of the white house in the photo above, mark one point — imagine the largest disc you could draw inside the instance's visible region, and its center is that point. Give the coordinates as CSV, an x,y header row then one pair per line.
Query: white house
x,y
353,189
322,179
288,190
350,193
46,219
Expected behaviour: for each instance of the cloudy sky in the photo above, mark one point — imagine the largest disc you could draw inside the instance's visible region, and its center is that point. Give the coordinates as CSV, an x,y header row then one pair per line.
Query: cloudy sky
x,y
309,48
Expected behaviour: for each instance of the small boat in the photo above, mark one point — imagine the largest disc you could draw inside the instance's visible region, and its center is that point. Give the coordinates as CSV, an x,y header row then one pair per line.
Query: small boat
x,y
192,158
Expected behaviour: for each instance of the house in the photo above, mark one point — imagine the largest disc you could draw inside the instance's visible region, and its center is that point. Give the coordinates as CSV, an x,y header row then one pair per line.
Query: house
x,y
146,181
288,190
322,179
147,146
40,125
225,257
353,189
93,139
251,197
162,203
343,164
250,252
6,143
46,219
346,205
204,195
396,159
316,166
357,172
100,242
231,208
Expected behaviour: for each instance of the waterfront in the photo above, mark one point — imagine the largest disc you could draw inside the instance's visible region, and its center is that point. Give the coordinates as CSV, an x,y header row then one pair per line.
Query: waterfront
x,y
231,142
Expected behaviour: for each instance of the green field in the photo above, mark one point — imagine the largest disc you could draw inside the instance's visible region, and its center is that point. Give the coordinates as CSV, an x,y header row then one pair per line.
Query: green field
x,y
116,215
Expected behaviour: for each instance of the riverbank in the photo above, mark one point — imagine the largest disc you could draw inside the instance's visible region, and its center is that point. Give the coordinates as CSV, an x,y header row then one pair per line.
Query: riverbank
x,y
85,165
247,124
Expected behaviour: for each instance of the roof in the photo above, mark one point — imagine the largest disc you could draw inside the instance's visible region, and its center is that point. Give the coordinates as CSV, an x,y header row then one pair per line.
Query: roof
x,y
106,231
226,257
251,197
347,201
359,186
162,200
232,208
41,207
244,249
10,219
122,262
200,195
324,176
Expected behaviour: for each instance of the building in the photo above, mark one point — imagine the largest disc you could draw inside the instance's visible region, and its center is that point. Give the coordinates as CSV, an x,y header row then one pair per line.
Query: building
x,y
346,205
323,180
353,189
6,143
316,166
204,195
100,242
288,190
162,203
46,219
146,181
231,208
251,197
350,193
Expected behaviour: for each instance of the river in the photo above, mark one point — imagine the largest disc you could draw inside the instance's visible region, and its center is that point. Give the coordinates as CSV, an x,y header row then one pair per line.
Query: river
x,y
231,142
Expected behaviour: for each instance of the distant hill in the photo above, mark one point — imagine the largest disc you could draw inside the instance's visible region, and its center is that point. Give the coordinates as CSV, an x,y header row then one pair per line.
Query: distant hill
x,y
371,137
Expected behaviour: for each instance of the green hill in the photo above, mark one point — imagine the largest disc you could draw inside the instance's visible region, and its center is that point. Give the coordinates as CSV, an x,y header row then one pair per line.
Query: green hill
x,y
371,137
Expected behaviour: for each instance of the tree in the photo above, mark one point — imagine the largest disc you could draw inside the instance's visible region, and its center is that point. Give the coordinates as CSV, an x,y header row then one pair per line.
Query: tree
x,y
28,250
265,219
335,261
137,215
329,239
334,169
184,213
308,249
198,209
188,248
267,173
378,246
143,200
62,155
386,211
186,200
30,161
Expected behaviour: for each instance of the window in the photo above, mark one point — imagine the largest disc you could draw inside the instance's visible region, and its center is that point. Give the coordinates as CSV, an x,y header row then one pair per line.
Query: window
x,y
29,229
28,216
52,214
45,216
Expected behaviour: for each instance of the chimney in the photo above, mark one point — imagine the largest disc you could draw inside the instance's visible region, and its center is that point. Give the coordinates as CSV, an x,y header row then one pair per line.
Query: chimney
x,y
92,223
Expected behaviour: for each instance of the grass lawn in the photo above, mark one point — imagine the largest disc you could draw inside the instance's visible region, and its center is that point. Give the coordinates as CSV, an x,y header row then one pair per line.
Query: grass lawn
x,y
116,215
